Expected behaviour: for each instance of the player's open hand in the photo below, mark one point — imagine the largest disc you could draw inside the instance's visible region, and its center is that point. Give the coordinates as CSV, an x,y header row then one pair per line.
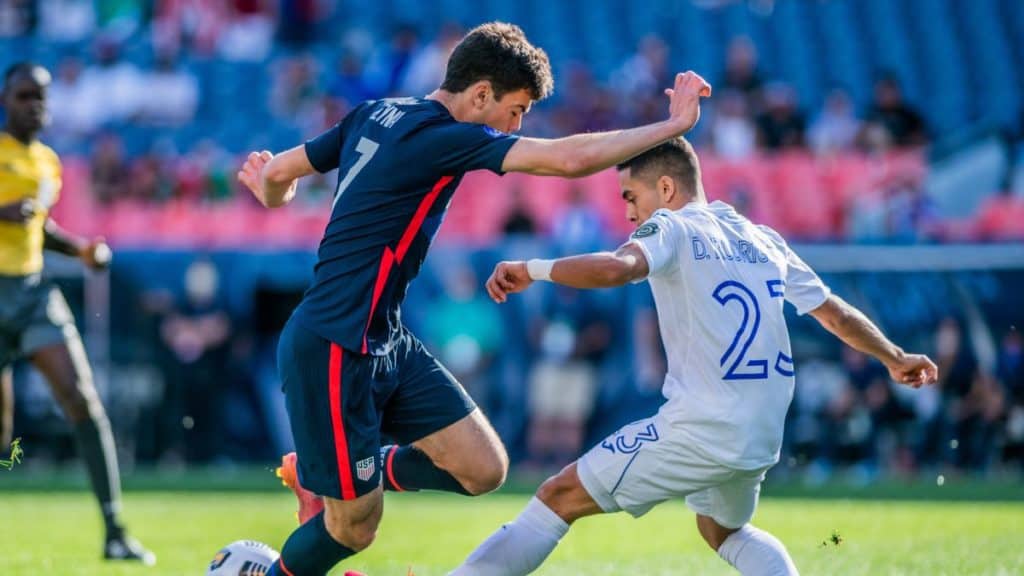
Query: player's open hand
x,y
251,173
914,370
684,99
508,278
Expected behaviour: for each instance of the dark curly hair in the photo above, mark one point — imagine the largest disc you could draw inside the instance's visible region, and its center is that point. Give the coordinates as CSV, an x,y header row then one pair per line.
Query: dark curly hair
x,y
499,52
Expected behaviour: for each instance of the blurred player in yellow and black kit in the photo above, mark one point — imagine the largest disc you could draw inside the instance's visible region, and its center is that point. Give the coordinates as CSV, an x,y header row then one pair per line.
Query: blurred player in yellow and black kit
x,y
35,321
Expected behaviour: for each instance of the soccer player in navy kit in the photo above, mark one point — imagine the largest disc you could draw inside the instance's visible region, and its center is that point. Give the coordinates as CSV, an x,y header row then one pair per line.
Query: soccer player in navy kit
x,y
350,369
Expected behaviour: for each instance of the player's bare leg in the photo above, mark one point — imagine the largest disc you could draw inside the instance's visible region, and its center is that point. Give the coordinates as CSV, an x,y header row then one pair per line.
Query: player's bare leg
x,y
340,530
6,406
522,545
466,457
67,370
750,550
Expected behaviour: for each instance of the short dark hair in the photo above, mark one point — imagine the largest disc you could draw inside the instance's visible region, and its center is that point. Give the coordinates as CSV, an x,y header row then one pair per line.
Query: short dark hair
x,y
22,67
674,158
499,52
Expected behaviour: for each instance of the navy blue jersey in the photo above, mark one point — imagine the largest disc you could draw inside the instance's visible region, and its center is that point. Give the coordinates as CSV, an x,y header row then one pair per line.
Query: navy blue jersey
x,y
399,162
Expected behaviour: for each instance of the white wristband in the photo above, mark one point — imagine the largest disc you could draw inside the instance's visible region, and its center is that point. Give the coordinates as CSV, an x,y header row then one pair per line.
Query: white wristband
x,y
539,269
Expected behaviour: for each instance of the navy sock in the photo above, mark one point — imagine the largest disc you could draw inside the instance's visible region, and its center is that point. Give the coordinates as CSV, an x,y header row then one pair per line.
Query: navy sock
x,y
407,469
309,551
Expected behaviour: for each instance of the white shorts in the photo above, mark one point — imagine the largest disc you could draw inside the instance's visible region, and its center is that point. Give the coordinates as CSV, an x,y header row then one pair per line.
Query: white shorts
x,y
646,463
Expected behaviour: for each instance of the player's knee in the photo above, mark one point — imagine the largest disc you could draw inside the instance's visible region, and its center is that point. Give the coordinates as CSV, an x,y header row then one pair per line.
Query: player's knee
x,y
353,535
488,476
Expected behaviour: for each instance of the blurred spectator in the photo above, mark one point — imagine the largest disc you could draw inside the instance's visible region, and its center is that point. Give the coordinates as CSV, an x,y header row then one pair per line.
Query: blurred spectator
x,y
73,108
248,33
390,61
972,402
152,176
349,81
580,227
119,18
586,105
733,134
172,93
300,20
188,24
572,339
519,221
427,68
820,386
1001,217
648,351
910,214
835,130
113,87
196,336
903,124
111,177
17,18
780,126
294,88
205,173
465,329
640,81
741,71
1011,375
645,72
66,21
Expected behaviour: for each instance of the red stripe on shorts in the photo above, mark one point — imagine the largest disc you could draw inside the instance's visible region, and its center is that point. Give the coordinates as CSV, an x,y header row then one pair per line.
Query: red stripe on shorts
x,y
348,490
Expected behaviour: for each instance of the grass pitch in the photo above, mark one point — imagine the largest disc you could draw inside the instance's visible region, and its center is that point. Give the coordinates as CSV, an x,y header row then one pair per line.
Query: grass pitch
x,y
59,533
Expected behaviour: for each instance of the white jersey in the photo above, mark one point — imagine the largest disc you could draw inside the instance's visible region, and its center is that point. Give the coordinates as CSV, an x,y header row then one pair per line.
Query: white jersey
x,y
719,282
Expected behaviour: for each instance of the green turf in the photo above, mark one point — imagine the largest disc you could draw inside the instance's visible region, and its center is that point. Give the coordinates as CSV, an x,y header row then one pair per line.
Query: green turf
x,y
58,533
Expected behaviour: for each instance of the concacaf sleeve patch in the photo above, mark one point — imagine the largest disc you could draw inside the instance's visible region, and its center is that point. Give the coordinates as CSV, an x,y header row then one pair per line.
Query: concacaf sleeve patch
x,y
648,229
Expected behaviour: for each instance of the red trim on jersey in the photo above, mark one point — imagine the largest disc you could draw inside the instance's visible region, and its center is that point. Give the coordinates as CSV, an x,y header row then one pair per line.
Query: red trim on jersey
x,y
389,259
386,262
348,491
283,567
419,217
390,468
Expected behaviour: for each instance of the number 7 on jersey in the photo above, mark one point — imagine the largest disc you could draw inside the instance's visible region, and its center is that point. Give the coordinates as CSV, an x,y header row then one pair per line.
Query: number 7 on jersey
x,y
366,149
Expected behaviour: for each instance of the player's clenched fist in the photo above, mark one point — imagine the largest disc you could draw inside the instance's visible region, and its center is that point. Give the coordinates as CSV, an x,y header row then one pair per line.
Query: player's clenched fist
x,y
684,99
913,370
251,173
508,278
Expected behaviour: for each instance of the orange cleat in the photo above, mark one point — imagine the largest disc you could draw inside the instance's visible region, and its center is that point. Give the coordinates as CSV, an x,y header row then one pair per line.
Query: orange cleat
x,y
309,504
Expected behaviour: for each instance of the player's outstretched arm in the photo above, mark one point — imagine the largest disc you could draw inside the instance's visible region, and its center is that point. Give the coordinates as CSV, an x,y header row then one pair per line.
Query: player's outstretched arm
x,y
273,179
856,330
584,154
597,270
93,253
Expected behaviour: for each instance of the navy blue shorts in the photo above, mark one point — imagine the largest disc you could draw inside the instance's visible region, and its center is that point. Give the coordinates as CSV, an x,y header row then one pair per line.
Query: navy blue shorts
x,y
340,402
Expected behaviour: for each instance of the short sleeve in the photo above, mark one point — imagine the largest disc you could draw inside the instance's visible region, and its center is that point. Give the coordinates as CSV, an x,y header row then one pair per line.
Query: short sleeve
x,y
324,151
804,289
463,147
657,240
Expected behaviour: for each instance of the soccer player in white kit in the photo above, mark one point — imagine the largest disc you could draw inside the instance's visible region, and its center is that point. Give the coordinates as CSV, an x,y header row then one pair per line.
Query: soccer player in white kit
x,y
719,283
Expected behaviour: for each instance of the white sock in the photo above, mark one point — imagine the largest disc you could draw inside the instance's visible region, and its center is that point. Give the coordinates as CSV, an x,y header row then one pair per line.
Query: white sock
x,y
518,547
755,552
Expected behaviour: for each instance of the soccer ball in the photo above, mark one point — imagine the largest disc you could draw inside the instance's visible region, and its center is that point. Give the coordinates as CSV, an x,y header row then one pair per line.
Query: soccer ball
x,y
243,558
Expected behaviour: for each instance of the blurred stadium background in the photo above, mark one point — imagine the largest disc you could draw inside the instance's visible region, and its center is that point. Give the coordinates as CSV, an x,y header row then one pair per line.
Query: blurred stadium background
x,y
884,137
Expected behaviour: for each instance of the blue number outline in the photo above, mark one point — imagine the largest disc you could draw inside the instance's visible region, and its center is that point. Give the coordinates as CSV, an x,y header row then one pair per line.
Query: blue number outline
x,y
761,365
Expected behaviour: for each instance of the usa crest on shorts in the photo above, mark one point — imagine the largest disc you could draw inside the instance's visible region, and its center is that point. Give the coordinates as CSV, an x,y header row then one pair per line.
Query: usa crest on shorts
x,y
365,468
